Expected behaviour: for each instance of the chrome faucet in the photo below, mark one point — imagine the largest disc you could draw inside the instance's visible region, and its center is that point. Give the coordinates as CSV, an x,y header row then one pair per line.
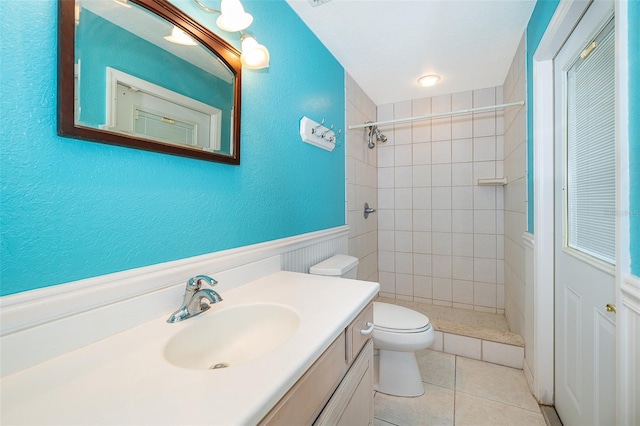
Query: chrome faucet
x,y
193,296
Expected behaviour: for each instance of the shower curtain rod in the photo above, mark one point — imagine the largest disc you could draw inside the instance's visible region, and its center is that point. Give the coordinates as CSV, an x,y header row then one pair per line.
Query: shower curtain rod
x,y
440,114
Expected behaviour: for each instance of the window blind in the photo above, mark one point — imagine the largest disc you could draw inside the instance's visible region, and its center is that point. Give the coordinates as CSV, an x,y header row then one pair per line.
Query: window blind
x,y
591,150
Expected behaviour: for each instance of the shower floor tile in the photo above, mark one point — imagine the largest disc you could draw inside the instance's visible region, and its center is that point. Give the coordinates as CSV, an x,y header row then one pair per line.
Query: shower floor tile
x,y
480,325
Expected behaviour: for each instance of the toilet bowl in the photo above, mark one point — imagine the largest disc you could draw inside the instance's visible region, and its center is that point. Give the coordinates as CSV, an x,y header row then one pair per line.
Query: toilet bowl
x,y
398,332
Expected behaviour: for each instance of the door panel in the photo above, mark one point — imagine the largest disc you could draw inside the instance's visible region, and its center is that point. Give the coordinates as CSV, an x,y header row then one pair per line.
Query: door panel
x,y
584,278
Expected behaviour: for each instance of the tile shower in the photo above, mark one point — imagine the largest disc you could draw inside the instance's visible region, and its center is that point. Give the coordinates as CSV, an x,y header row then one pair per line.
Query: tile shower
x,y
440,236
362,183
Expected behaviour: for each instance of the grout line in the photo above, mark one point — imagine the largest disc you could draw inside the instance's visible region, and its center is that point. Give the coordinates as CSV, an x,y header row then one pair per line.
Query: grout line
x,y
455,385
537,410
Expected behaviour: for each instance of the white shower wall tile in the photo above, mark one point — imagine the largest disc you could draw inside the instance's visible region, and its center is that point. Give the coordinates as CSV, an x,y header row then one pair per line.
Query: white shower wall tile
x,y
421,198
386,177
386,155
462,221
422,175
484,97
422,242
462,197
441,198
462,174
403,220
421,130
442,289
422,265
462,245
423,286
484,148
441,175
455,251
404,284
484,197
403,198
403,177
461,127
462,150
421,153
404,241
402,155
441,152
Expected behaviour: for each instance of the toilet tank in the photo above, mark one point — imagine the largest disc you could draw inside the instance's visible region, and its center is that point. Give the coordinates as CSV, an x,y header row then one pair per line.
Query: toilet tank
x,y
339,265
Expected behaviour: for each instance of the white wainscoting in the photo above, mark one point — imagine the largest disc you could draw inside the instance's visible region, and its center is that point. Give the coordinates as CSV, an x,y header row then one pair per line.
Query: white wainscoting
x,y
529,365
628,321
40,324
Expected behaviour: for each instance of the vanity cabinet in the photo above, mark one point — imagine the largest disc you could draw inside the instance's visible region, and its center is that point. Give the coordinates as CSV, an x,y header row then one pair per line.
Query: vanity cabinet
x,y
338,388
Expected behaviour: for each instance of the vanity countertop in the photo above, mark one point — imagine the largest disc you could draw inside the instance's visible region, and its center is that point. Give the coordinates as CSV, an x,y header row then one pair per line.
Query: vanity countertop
x,y
125,379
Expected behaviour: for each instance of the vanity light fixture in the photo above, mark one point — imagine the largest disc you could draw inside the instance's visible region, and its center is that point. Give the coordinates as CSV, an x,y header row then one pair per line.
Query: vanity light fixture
x,y
254,55
428,80
232,17
180,37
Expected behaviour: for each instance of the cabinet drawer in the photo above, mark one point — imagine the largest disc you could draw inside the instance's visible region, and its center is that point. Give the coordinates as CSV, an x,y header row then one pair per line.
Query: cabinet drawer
x,y
355,339
304,401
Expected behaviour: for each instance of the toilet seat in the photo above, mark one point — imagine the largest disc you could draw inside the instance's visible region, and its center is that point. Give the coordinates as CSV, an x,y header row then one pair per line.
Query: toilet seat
x,y
398,319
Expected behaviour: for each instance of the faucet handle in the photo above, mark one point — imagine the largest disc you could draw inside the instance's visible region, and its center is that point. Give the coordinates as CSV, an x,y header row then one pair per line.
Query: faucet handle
x,y
196,282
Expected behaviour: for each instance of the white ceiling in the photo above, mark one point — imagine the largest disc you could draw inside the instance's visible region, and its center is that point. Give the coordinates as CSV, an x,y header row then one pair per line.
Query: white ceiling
x,y
386,45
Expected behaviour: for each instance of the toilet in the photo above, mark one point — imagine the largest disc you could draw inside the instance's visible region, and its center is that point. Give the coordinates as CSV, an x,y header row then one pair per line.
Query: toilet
x,y
398,332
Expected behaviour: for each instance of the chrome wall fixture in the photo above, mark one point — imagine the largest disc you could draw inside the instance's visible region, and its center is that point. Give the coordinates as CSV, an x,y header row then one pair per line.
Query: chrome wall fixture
x,y
374,131
233,18
368,210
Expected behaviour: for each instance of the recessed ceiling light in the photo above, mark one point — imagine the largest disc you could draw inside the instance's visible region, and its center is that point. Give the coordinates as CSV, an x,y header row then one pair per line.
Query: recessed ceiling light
x,y
428,80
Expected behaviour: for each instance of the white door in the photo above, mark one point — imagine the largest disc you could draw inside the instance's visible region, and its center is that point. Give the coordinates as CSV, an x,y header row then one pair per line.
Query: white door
x,y
584,72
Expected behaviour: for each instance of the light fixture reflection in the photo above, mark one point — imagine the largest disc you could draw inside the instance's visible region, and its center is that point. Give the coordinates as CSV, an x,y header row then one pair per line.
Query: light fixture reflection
x,y
254,55
180,37
428,80
233,17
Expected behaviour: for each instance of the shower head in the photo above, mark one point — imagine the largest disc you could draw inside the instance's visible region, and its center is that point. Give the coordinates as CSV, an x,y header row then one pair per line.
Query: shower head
x,y
379,136
373,130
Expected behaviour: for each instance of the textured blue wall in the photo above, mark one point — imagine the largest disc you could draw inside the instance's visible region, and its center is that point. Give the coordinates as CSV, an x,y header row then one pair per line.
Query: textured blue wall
x,y
72,209
634,133
540,18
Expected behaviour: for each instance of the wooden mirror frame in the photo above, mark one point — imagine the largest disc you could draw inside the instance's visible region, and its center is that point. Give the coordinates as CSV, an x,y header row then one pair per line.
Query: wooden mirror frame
x,y
167,11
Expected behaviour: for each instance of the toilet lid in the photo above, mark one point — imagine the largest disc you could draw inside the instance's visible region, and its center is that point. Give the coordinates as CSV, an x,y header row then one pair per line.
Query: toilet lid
x,y
398,318
335,265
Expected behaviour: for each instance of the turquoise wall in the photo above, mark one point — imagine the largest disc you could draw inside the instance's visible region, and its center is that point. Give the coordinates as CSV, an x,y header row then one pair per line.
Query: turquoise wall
x,y
71,209
634,133
540,18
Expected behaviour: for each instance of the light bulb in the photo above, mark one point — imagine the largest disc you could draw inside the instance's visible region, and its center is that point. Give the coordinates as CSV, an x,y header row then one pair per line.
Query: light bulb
x,y
233,17
428,80
254,55
180,37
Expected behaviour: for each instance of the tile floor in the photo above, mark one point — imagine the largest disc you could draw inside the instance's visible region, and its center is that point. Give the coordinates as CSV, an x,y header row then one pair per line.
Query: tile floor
x,y
461,391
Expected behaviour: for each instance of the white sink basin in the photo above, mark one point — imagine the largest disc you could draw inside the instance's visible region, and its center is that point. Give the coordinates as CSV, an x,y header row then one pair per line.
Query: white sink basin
x,y
231,336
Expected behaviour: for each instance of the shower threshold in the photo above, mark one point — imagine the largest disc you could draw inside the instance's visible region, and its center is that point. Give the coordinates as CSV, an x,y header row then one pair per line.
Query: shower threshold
x,y
472,334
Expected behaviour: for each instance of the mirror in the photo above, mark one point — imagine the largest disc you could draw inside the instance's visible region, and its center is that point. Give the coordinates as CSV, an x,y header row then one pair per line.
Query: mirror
x,y
143,74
